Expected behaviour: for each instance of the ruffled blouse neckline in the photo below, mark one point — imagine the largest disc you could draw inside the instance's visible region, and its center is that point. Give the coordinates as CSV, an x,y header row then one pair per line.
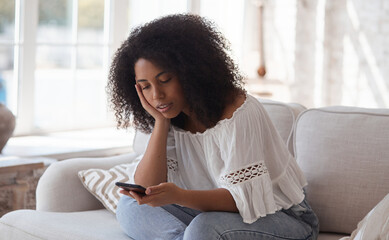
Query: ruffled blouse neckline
x,y
218,124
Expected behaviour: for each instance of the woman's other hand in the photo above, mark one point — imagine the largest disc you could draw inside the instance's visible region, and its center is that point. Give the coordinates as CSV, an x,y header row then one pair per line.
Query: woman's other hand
x,y
150,109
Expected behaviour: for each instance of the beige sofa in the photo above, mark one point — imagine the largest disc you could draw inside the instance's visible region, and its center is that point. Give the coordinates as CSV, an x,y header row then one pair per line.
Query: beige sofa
x,y
344,152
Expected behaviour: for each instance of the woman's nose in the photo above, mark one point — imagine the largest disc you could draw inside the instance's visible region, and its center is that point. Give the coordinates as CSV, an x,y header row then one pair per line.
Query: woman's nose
x,y
157,93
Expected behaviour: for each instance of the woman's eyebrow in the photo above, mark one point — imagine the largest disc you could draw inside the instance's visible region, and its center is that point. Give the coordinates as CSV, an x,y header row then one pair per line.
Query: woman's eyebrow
x,y
159,74
156,76
141,80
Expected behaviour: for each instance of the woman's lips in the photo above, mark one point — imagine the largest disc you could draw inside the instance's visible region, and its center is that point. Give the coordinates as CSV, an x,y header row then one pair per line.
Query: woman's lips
x,y
164,107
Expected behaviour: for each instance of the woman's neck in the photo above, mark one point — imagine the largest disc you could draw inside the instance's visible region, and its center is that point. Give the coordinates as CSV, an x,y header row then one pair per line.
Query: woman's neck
x,y
193,125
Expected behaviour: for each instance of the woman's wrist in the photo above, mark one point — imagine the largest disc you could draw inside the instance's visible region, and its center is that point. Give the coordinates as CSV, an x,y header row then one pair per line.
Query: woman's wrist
x,y
181,197
163,123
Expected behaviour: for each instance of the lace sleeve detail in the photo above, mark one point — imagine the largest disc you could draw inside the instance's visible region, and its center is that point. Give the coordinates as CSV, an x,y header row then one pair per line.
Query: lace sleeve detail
x,y
251,188
172,165
244,174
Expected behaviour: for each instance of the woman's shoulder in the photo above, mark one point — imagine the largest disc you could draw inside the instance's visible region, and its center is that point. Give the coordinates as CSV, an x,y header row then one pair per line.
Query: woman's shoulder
x,y
244,109
232,107
242,105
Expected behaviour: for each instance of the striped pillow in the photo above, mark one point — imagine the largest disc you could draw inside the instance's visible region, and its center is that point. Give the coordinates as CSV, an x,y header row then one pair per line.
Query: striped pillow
x,y
101,183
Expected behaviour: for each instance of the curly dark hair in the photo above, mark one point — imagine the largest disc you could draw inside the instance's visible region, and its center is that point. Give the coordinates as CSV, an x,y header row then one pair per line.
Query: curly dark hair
x,y
192,48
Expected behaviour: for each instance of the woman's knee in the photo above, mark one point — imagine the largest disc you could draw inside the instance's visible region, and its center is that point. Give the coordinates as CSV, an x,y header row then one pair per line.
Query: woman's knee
x,y
224,225
125,212
206,225
125,203
146,222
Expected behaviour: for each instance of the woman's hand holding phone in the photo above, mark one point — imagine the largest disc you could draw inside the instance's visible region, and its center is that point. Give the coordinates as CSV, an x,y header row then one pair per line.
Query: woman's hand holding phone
x,y
156,196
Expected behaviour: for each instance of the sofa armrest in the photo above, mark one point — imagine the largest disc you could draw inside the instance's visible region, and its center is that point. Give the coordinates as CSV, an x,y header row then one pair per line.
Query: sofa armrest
x,y
60,189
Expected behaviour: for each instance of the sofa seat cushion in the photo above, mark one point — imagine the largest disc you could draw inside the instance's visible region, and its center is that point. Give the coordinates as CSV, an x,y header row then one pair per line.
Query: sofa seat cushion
x,y
343,152
31,224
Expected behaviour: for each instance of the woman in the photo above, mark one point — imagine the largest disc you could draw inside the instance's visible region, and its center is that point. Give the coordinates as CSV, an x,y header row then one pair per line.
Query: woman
x,y
215,167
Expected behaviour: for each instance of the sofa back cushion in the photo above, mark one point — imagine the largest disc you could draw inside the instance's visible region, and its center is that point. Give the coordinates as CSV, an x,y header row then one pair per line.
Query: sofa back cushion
x,y
283,116
344,153
140,142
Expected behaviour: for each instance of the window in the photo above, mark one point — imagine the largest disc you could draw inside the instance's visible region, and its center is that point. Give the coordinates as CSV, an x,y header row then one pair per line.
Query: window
x,y
72,53
55,54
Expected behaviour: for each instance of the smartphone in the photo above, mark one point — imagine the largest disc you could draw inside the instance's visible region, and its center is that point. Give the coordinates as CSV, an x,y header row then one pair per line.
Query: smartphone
x,y
132,187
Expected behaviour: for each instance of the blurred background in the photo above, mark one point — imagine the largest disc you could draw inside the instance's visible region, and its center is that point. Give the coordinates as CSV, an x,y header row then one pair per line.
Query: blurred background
x,y
55,54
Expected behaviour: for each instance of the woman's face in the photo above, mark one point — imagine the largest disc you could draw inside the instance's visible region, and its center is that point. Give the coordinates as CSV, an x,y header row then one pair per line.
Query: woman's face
x,y
161,88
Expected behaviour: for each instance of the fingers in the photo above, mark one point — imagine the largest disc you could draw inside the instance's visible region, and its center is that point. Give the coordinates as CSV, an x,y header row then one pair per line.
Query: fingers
x,y
155,195
133,195
146,105
126,193
155,189
141,97
143,199
136,196
139,91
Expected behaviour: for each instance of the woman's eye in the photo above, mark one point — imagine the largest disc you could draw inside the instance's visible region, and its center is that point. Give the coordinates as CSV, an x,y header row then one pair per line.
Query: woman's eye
x,y
145,87
165,81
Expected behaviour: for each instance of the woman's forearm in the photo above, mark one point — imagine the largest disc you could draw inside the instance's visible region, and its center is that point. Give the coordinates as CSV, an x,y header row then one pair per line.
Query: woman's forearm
x,y
208,200
152,169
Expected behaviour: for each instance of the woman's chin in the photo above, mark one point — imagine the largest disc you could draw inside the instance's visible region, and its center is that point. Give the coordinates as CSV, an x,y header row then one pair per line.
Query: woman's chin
x,y
170,115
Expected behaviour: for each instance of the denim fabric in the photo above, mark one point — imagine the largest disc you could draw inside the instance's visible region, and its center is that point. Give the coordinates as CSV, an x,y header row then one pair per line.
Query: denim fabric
x,y
176,222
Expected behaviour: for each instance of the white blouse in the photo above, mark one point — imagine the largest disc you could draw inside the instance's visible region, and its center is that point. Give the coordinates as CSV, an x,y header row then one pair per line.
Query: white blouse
x,y
244,154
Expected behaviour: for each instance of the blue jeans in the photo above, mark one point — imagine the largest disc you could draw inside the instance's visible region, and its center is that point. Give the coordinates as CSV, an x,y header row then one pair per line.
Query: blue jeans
x,y
176,222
